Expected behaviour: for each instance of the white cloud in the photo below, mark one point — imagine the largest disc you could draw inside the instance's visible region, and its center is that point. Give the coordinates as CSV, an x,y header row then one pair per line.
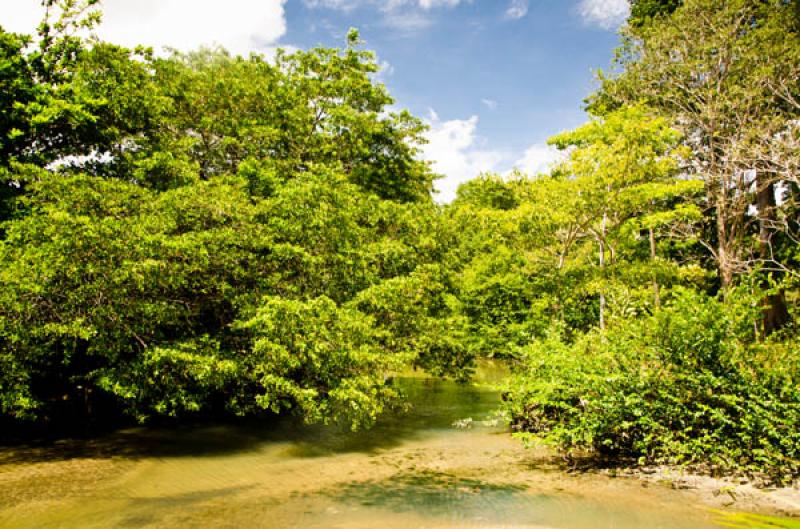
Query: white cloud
x,y
21,16
607,14
385,70
517,9
406,21
428,4
240,26
539,158
491,104
408,16
454,151
344,5
385,5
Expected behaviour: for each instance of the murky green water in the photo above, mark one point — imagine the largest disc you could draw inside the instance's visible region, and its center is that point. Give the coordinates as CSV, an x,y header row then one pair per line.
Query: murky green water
x,y
414,470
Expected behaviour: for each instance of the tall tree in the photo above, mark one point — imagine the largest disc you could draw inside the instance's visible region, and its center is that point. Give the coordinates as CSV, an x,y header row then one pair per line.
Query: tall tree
x,y
725,73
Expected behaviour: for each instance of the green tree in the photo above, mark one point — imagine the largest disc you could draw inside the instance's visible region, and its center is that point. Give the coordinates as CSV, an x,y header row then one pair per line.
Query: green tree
x,y
724,73
308,107
176,217
624,165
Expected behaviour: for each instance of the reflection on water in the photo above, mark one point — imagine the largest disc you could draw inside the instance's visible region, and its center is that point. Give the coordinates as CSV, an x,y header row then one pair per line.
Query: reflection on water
x,y
413,469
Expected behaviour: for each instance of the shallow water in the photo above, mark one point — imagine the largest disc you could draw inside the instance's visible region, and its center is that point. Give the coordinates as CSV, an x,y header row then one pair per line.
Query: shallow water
x,y
414,470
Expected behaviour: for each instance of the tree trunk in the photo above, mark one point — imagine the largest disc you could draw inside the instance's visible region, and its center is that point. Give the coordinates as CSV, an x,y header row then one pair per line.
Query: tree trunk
x,y
775,313
725,255
602,262
656,290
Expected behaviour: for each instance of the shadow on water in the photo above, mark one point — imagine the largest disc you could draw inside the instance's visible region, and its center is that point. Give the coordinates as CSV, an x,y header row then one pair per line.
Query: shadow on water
x,y
440,499
429,492
433,404
439,496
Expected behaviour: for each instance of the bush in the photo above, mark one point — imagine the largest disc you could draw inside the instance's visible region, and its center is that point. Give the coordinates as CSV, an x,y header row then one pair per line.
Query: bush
x,y
683,386
320,360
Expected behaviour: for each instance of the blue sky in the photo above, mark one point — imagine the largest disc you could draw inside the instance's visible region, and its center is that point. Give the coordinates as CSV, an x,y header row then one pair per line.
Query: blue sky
x,y
493,78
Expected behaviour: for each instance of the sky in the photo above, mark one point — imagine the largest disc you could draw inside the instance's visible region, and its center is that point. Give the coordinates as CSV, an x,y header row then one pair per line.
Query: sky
x,y
492,78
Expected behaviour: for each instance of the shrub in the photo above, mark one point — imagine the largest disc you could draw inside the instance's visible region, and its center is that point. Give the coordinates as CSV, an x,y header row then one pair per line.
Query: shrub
x,y
683,386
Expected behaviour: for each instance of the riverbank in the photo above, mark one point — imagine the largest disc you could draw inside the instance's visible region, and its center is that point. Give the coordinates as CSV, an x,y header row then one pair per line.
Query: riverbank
x,y
730,492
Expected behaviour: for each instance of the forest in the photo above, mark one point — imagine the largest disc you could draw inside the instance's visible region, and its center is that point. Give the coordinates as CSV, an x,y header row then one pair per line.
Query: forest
x,y
205,235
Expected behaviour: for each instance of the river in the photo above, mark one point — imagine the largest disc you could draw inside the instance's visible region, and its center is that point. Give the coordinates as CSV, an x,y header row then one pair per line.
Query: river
x,y
413,470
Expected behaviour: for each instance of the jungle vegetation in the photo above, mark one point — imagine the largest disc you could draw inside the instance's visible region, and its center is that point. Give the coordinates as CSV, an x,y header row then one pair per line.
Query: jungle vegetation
x,y
202,234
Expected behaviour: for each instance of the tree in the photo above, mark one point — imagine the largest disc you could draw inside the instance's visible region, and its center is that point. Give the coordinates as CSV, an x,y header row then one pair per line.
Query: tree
x,y
17,89
623,165
308,107
724,74
180,221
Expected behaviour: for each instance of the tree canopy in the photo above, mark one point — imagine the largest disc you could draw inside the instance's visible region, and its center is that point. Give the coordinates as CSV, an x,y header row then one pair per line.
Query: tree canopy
x,y
208,233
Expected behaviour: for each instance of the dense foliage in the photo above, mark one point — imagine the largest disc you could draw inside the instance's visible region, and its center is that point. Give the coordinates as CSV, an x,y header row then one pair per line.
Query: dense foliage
x,y
208,234
677,225
211,234
684,385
